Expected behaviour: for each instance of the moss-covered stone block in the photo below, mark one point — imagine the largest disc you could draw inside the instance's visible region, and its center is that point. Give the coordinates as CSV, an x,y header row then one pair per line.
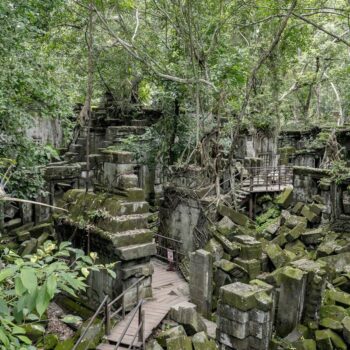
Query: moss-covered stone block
x,y
338,297
235,216
323,340
231,248
296,232
180,342
334,312
313,237
239,295
200,341
275,254
285,199
310,215
215,249
305,344
346,329
170,333
250,247
298,207
331,324
252,266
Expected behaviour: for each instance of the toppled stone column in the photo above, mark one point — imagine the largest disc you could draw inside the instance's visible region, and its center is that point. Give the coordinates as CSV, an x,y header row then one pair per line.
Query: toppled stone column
x,y
315,284
291,300
250,255
201,280
245,316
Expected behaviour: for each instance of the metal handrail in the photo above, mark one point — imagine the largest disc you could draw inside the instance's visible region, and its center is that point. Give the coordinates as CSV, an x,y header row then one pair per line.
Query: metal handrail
x,y
107,307
90,322
138,306
125,291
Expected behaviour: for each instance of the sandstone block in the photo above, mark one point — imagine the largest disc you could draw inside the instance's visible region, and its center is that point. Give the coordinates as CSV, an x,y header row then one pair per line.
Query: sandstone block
x,y
185,313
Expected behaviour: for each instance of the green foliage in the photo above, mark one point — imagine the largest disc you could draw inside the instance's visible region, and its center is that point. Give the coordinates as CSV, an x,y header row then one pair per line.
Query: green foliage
x,y
28,284
267,218
339,171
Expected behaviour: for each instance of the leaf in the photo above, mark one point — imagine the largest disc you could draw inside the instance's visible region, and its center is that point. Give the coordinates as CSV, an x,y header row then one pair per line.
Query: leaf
x,y
64,245
18,330
29,279
19,287
4,310
3,338
51,286
42,300
7,272
112,273
85,272
71,319
24,339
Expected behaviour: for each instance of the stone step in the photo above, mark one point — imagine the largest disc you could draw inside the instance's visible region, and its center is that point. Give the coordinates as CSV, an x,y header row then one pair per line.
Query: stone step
x,y
128,181
132,237
114,131
124,223
116,208
138,251
132,194
139,122
112,347
71,156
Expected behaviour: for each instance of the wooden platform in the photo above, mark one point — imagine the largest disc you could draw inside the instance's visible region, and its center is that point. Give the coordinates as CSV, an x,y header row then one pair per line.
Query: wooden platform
x,y
169,288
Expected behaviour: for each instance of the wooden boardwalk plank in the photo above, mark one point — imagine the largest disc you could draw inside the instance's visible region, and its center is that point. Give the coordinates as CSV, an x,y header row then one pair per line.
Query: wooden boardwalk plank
x,y
168,289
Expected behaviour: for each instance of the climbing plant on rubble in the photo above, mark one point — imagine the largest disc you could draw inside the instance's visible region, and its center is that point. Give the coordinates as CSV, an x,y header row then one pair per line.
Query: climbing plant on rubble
x,y
29,283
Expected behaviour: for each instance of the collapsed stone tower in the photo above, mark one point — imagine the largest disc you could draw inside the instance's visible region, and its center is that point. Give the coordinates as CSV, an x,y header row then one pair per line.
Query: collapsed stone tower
x,y
115,225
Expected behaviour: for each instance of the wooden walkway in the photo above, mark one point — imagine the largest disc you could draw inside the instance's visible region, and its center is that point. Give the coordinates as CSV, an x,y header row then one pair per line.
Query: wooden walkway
x,y
169,289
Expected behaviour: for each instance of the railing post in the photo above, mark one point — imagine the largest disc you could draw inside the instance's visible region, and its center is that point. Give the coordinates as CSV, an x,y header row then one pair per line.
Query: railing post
x,y
107,319
141,326
137,293
123,306
279,178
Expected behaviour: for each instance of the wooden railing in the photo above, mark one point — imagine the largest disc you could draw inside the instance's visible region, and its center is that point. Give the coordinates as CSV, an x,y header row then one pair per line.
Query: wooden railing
x,y
272,178
105,308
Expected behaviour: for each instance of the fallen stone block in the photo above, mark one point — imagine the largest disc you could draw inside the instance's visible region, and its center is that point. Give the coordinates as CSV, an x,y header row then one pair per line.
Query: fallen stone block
x,y
185,313
346,329
275,254
334,312
239,295
292,291
215,249
253,266
298,207
331,324
338,297
236,217
310,215
250,247
295,233
312,237
180,342
170,333
231,248
326,339
294,221
284,200
200,341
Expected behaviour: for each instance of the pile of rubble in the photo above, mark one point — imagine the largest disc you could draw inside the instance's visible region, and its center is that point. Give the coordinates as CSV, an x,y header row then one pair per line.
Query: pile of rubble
x,y
26,239
185,330
287,285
